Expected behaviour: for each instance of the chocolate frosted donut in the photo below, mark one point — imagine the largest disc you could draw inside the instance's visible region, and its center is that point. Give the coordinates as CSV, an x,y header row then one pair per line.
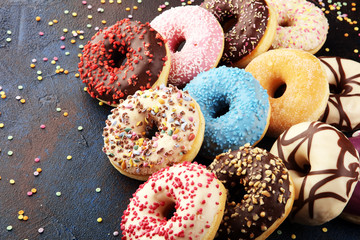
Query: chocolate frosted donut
x,y
249,28
260,192
343,108
122,59
324,166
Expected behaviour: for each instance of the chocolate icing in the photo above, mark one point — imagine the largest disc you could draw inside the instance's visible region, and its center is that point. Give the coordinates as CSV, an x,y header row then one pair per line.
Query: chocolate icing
x,y
306,137
338,91
122,59
258,190
250,18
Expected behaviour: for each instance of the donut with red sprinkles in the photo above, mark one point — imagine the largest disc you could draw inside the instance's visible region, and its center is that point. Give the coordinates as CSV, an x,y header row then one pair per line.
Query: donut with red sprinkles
x,y
194,193
123,58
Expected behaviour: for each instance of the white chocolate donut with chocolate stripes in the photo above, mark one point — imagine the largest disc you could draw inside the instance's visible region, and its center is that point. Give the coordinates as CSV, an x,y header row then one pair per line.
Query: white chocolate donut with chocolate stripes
x,y
324,166
343,108
153,129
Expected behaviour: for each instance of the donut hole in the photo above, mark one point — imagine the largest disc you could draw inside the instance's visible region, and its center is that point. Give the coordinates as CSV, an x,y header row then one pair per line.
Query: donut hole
x,y
179,44
237,192
335,89
286,23
278,89
229,23
169,210
151,130
119,60
220,108
305,169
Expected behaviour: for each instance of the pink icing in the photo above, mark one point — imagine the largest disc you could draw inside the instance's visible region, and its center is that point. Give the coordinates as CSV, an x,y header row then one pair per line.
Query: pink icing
x,y
203,36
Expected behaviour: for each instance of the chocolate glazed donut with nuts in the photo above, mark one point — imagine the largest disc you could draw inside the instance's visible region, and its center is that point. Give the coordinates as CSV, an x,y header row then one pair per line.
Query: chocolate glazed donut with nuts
x,y
260,192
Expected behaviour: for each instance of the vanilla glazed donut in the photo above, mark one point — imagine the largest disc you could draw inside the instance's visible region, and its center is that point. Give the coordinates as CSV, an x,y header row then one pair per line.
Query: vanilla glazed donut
x,y
249,28
203,37
343,108
235,107
260,192
324,166
123,58
301,25
153,129
297,86
195,194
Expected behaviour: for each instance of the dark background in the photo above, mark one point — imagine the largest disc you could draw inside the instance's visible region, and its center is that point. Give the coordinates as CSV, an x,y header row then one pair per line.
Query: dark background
x,y
74,214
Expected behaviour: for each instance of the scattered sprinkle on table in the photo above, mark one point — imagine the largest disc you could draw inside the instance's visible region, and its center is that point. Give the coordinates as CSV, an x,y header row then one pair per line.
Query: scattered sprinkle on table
x,y
69,157
58,194
12,181
9,228
40,230
98,189
99,220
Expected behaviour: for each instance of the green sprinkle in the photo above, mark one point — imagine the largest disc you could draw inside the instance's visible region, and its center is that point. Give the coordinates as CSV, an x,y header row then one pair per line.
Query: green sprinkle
x,y
170,132
20,87
139,1
58,194
279,232
39,72
10,153
166,3
136,147
9,228
9,32
8,39
10,137
58,109
98,189
67,53
81,46
80,128
66,11
89,25
111,155
127,129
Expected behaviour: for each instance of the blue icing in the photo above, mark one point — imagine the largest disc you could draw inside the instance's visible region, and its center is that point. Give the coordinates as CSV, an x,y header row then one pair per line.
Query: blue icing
x,y
234,105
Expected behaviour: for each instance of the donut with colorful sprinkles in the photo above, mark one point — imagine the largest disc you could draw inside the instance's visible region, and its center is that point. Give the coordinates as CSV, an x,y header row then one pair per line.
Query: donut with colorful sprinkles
x,y
194,193
249,28
260,192
202,38
235,106
153,129
123,58
301,25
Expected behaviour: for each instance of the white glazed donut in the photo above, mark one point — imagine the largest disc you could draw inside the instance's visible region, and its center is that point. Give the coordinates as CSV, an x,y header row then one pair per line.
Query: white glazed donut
x,y
301,25
196,194
324,166
343,108
153,129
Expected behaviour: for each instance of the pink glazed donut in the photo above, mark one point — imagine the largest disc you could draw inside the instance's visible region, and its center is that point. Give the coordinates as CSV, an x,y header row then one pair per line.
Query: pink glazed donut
x,y
203,37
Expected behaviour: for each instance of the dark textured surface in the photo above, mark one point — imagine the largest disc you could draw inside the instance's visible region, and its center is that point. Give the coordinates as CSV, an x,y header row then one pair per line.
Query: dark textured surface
x,y
74,214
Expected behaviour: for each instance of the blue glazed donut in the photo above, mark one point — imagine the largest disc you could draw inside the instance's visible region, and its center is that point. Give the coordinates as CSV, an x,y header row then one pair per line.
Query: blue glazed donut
x,y
235,107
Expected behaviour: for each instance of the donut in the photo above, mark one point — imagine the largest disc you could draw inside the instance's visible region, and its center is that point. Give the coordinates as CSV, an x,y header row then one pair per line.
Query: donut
x,y
301,25
249,28
296,84
123,58
196,196
352,211
343,108
202,38
324,166
153,129
260,192
235,107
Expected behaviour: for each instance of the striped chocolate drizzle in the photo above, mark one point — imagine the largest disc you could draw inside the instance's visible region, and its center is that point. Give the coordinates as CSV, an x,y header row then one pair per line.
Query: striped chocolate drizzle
x,y
340,90
349,171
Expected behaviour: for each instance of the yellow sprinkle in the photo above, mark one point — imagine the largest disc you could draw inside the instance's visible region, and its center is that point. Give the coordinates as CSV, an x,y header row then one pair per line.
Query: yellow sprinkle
x,y
73,41
39,78
356,50
55,21
356,28
12,181
3,96
111,1
1,126
57,71
66,72
81,37
32,65
159,9
161,101
176,130
103,21
77,75
22,100
101,103
156,109
293,236
324,229
51,23
69,157
102,1
192,105
74,14
39,170
127,9
33,190
66,114
21,212
21,217
99,220
135,7
85,89
38,19
79,55
327,49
